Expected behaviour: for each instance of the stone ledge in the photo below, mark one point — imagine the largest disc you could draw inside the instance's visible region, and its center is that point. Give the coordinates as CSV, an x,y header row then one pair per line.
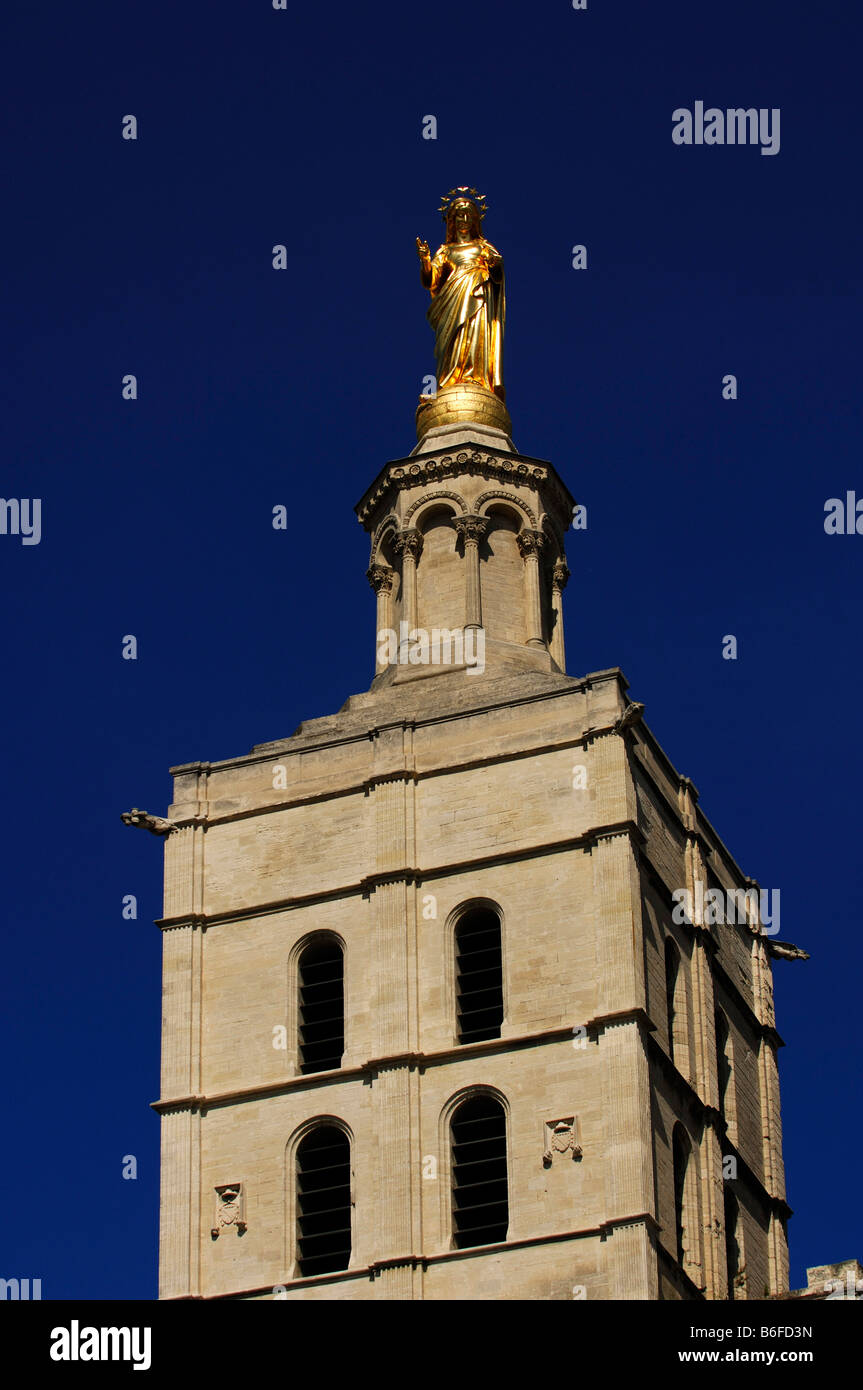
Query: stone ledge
x,y
415,1061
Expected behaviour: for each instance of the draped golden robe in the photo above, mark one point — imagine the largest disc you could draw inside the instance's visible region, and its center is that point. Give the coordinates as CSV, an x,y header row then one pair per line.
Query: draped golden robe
x,y
467,315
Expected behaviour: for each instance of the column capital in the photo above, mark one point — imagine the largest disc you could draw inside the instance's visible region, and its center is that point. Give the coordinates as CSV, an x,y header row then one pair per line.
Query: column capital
x,y
560,576
409,542
381,578
471,527
530,543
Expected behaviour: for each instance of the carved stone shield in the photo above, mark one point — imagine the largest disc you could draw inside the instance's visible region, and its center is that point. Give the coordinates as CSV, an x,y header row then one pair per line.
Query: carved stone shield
x,y
561,1138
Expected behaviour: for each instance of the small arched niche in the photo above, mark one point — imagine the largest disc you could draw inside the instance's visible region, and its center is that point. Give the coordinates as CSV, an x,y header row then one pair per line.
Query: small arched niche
x,y
502,577
440,574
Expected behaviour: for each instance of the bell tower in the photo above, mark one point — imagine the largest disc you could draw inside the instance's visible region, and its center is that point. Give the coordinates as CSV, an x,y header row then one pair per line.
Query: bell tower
x,y
467,538
432,1025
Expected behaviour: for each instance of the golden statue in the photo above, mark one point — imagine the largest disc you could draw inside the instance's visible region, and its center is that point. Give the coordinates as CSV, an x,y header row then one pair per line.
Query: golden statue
x,y
467,291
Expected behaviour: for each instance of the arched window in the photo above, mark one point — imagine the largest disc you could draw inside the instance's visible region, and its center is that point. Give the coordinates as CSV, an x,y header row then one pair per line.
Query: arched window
x,y
733,1251
686,1205
479,976
503,572
323,1201
725,1071
672,965
675,999
480,1193
321,1014
681,1157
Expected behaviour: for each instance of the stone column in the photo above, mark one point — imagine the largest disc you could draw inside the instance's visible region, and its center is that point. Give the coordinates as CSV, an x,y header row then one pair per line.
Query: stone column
x,y
409,545
530,544
381,579
472,529
558,584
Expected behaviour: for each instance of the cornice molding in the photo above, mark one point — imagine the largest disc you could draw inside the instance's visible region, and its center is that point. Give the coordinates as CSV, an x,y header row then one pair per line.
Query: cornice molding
x,y
413,1261
487,463
584,842
366,1071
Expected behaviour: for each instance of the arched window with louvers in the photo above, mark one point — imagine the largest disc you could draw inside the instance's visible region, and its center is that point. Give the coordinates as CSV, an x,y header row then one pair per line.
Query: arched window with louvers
x,y
321,1005
323,1201
478,974
480,1184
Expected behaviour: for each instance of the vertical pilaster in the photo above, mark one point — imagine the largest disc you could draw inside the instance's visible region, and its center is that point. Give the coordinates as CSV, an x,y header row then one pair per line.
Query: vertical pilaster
x,y
395,1174
625,1071
183,871
177,989
634,1267
178,1198
628,1159
620,958
181,1070
613,792
395,925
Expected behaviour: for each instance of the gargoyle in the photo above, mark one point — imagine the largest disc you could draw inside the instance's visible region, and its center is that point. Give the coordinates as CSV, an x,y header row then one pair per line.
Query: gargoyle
x,y
157,825
785,950
631,715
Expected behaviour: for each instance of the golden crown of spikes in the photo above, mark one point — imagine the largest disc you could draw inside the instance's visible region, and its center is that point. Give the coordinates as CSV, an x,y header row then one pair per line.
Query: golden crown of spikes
x,y
471,193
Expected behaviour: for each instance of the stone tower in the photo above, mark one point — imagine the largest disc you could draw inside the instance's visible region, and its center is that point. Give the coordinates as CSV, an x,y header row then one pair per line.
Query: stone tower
x,y
431,1025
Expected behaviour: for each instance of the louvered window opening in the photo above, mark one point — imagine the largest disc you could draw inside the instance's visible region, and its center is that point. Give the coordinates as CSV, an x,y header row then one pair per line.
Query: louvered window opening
x,y
324,1201
322,1008
480,1190
479,977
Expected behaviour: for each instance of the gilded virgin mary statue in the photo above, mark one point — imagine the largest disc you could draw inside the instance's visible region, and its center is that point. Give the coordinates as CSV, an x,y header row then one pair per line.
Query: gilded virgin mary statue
x,y
465,277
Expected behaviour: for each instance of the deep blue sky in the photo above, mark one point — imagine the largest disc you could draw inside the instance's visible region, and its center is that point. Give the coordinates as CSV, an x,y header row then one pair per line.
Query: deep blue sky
x,y
303,127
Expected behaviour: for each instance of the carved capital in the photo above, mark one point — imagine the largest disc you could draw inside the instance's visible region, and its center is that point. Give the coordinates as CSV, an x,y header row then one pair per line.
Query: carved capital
x,y
409,542
471,527
530,543
560,576
381,578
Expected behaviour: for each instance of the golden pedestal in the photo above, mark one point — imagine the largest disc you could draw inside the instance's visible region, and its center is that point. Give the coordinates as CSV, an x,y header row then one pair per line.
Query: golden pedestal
x,y
464,402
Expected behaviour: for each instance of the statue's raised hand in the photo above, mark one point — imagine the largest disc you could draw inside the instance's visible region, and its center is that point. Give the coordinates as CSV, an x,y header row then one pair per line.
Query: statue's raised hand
x,y
423,249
